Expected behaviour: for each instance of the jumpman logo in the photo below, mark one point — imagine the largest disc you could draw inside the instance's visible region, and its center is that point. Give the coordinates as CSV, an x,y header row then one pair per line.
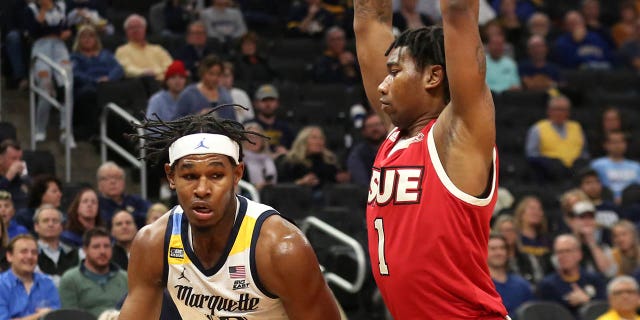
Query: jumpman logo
x,y
182,275
201,144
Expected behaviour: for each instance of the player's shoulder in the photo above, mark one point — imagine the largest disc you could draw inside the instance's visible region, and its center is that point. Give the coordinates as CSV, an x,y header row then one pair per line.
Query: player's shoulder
x,y
280,238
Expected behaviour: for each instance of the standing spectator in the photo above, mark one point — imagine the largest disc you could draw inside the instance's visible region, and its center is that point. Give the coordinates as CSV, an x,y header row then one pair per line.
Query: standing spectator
x,y
238,95
362,155
532,228
606,211
630,50
624,29
13,172
207,94
626,247
123,230
579,48
96,284
195,49
615,171
502,71
260,169
92,65
16,301
54,257
223,22
112,197
570,285
337,64
46,189
250,65
408,16
156,211
536,72
139,58
164,103
81,217
266,103
624,299
513,289
7,212
309,18
47,25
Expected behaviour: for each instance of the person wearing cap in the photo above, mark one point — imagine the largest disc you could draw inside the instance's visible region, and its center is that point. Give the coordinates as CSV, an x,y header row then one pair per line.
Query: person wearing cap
x,y
266,104
163,103
218,254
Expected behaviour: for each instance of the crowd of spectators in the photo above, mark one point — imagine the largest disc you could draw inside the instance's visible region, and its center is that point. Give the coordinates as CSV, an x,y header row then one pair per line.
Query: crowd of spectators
x,y
202,56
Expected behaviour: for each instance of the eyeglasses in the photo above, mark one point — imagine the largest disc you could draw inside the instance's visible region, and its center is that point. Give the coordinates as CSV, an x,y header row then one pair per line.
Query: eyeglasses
x,y
105,178
586,215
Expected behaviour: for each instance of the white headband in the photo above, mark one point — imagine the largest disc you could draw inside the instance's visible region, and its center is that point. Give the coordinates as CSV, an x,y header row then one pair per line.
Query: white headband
x,y
203,143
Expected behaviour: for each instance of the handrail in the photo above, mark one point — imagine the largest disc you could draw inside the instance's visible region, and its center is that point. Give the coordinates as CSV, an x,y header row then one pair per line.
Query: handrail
x,y
251,189
351,287
68,105
105,142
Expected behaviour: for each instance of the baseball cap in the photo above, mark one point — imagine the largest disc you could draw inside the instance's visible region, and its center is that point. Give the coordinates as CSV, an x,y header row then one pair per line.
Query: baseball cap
x,y
175,68
266,91
582,207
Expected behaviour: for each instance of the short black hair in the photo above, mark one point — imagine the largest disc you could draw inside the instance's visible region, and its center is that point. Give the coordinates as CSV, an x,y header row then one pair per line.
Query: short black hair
x,y
208,62
9,143
586,173
94,233
39,188
426,46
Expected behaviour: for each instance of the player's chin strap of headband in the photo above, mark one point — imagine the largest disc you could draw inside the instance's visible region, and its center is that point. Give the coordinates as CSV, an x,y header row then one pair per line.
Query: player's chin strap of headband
x,y
203,143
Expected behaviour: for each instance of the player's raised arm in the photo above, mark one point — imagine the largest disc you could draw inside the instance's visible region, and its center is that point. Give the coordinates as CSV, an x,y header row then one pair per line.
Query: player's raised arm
x,y
144,299
372,25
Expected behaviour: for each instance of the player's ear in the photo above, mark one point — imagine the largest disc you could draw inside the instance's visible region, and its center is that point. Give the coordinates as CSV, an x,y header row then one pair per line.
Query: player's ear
x,y
169,173
433,76
238,172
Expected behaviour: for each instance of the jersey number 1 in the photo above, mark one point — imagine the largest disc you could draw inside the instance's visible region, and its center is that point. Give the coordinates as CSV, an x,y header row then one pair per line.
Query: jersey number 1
x,y
382,262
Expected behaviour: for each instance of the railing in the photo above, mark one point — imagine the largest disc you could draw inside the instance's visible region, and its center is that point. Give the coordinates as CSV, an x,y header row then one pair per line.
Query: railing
x,y
106,142
43,94
254,194
351,287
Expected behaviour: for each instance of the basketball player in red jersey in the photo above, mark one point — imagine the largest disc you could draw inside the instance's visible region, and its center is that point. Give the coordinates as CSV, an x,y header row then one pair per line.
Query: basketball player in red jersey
x,y
434,182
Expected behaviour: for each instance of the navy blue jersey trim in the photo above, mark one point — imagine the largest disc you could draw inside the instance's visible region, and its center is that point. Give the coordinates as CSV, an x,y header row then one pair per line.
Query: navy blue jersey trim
x,y
242,210
167,238
252,253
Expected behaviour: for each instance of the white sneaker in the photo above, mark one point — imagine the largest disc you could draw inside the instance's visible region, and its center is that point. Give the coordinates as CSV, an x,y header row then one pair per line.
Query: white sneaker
x,y
41,136
63,140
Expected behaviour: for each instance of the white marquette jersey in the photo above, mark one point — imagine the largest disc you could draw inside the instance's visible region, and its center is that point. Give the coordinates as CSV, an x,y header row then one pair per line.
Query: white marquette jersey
x,y
231,290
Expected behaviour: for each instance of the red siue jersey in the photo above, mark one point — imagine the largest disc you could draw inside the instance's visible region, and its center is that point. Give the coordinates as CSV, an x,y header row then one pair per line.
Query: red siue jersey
x,y
428,239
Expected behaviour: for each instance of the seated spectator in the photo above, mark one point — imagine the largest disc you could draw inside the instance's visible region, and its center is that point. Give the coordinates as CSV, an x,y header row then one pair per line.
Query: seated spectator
x,y
92,65
7,212
96,284
606,211
362,155
309,18
623,297
615,171
54,257
81,217
164,103
238,95
266,104
310,163
511,24
567,200
177,14
14,176
250,65
494,28
612,120
553,145
47,24
626,247
123,230
630,50
195,49
112,197
623,30
539,24
524,9
139,58
520,263
46,189
513,289
4,242
590,10
579,48
201,97
87,12
570,285
15,302
536,72
502,71
532,228
259,167
156,211
223,22
337,64
595,240
408,16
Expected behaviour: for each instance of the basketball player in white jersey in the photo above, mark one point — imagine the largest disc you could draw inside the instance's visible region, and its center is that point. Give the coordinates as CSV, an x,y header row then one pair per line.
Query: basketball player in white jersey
x,y
218,254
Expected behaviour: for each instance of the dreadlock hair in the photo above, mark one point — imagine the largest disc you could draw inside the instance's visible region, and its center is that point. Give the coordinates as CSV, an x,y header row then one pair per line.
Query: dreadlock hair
x,y
426,47
159,134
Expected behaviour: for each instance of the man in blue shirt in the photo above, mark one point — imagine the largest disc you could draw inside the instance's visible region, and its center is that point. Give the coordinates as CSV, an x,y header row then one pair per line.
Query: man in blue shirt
x,y
615,171
112,198
25,294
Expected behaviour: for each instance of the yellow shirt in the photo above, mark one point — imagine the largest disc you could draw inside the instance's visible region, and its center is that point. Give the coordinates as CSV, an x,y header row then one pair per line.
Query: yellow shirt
x,y
136,59
567,148
613,315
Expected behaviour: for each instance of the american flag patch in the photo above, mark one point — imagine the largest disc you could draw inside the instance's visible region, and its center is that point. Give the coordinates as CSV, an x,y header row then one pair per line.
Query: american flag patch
x,y
237,272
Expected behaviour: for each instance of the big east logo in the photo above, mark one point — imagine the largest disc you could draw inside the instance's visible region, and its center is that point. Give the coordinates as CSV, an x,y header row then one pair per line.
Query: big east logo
x,y
400,185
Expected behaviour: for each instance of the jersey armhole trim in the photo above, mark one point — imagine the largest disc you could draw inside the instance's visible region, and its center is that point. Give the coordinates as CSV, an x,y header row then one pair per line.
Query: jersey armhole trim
x,y
252,253
449,185
167,237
